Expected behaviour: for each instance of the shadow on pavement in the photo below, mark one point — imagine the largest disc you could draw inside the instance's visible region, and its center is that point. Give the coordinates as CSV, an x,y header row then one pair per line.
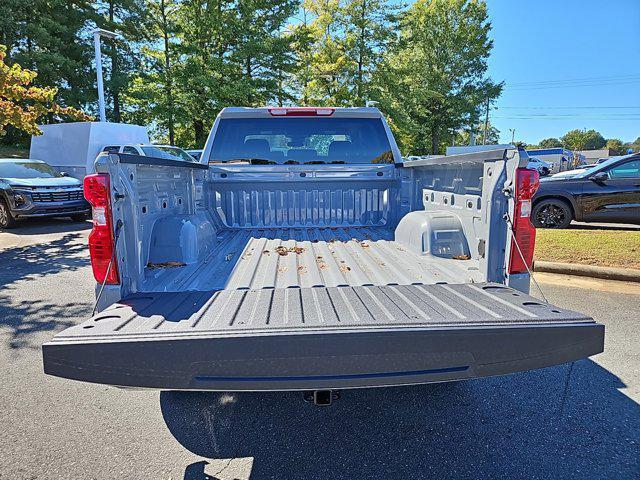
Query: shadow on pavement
x,y
40,226
569,421
22,265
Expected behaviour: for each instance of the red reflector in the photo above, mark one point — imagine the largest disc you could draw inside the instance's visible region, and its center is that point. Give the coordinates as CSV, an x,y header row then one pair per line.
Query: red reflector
x,y
524,233
97,191
301,112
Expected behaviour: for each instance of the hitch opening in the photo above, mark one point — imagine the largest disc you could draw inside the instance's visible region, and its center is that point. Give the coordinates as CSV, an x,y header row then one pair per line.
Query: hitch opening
x,y
323,398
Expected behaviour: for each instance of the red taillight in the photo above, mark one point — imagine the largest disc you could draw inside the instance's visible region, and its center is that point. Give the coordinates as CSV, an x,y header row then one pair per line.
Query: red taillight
x,y
524,233
101,239
301,112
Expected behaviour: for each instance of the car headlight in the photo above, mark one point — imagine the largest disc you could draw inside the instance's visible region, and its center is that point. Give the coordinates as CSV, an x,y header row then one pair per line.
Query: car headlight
x,y
19,198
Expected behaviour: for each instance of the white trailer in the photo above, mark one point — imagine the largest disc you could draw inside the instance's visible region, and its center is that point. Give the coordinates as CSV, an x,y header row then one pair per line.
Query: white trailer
x,y
73,147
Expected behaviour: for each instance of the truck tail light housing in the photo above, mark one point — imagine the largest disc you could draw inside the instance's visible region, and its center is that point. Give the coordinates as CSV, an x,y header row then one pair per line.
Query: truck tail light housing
x,y
301,112
97,191
524,233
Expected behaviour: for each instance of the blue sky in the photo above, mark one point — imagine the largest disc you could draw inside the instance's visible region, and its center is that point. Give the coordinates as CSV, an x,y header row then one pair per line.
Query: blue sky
x,y
558,55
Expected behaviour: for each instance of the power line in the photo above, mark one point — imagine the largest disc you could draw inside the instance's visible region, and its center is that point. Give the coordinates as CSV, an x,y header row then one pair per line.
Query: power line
x,y
559,86
617,119
550,107
632,76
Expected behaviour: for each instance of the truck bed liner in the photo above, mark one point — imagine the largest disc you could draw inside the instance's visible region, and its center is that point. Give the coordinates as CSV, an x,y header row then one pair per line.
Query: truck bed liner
x,y
310,338
311,257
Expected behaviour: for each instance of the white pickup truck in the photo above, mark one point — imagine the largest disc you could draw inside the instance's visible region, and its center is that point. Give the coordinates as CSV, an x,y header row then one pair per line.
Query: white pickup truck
x,y
303,253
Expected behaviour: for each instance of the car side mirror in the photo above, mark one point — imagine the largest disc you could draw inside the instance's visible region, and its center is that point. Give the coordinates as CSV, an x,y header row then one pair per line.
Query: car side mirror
x,y
64,174
600,177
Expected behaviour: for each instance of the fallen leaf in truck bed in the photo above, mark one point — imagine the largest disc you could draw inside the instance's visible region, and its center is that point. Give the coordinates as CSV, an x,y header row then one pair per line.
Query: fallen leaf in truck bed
x,y
166,264
282,250
461,257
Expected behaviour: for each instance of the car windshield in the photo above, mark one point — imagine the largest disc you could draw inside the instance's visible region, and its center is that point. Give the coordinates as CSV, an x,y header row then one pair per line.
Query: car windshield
x,y
27,169
588,170
308,140
170,153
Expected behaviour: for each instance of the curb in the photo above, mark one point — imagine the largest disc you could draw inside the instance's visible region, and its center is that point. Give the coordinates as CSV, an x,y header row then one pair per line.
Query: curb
x,y
609,273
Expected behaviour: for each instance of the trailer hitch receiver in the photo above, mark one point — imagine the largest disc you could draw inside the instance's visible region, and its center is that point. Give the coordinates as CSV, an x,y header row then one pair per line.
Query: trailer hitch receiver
x,y
323,398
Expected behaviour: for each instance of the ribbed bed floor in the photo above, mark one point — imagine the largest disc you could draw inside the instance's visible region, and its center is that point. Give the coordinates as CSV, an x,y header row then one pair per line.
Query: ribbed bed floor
x,y
310,257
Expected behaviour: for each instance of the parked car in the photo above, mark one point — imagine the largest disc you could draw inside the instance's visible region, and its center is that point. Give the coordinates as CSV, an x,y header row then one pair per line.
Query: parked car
x,y
168,152
195,153
543,168
369,272
32,188
606,192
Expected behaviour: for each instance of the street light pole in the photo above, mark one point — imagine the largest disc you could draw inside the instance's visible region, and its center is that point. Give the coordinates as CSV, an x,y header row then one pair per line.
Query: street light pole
x,y
513,134
97,33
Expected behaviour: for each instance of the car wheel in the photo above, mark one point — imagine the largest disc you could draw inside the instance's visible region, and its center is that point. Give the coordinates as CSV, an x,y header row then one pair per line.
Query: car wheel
x,y
6,220
552,213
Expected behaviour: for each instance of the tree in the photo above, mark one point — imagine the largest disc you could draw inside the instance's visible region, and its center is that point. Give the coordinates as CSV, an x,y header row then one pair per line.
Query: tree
x,y
151,95
634,146
463,136
129,18
22,105
550,143
302,45
583,140
368,28
49,37
329,81
262,50
616,146
432,81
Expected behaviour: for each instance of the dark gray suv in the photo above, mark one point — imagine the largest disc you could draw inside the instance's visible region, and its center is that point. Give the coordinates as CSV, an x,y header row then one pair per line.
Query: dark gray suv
x,y
32,188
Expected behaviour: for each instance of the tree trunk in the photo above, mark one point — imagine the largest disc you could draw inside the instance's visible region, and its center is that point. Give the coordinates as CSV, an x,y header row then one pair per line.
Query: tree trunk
x,y
249,74
360,89
198,130
168,79
435,139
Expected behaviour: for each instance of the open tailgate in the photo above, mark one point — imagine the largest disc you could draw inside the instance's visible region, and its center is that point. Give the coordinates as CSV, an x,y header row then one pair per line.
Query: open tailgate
x,y
319,338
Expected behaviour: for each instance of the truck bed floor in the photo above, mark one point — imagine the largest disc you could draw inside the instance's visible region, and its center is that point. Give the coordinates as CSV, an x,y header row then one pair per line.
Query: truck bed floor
x,y
310,257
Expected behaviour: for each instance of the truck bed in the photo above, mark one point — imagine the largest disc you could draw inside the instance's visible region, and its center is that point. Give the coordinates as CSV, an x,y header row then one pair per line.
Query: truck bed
x,y
319,337
310,257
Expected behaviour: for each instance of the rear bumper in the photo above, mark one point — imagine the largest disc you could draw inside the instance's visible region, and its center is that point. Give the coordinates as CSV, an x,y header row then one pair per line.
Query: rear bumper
x,y
320,360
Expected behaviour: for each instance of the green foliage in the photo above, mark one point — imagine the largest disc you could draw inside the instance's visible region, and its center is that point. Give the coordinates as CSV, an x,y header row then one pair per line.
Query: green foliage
x,y
22,104
635,145
616,146
583,140
550,143
180,61
463,136
432,81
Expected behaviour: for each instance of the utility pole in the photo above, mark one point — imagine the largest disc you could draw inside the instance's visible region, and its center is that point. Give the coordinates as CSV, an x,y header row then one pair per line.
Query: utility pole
x,y
486,123
513,135
97,33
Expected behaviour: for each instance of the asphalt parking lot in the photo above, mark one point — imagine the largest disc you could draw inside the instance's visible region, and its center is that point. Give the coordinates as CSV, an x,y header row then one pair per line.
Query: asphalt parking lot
x,y
572,421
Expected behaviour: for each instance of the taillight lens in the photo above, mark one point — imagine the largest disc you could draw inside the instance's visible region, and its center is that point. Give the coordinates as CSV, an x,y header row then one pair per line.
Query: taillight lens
x,y
97,191
524,233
